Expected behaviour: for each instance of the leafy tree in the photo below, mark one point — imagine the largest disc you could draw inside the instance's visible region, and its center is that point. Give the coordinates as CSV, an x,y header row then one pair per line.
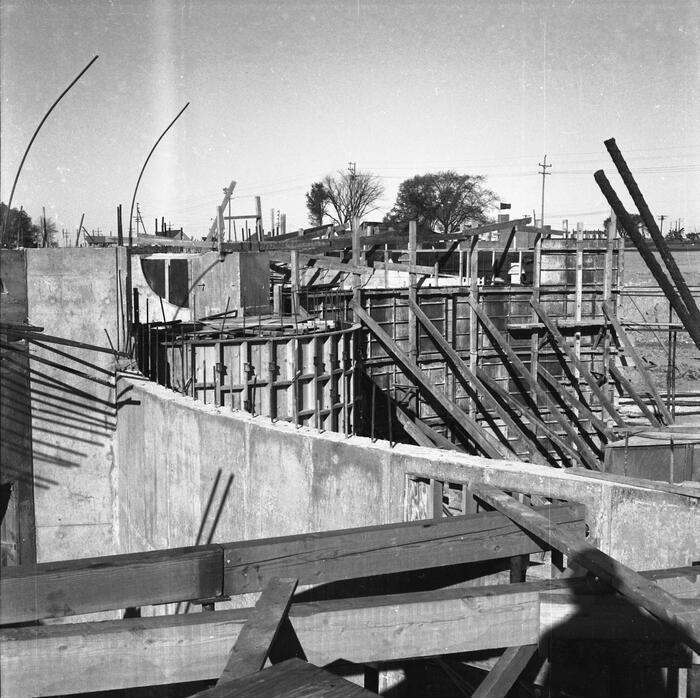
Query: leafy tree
x,y
442,201
351,195
20,231
317,203
638,223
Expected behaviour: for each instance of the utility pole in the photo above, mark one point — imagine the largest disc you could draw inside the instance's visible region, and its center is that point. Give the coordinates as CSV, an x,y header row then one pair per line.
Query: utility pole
x,y
662,218
544,174
352,168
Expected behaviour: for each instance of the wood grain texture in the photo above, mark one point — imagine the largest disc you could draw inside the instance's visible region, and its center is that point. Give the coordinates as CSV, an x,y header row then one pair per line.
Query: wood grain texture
x,y
505,672
258,634
335,555
71,587
69,658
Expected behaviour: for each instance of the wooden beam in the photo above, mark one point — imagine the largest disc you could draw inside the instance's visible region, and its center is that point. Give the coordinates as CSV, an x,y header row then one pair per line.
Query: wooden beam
x,y
505,672
83,657
336,555
450,410
464,373
89,585
579,365
631,351
664,606
55,589
257,636
108,655
516,364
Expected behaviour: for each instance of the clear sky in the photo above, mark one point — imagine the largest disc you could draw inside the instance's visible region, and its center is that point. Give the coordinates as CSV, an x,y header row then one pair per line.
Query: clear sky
x,y
283,93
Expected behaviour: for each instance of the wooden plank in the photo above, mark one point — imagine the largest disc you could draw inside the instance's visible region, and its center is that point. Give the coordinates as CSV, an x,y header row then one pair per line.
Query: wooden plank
x,y
537,422
89,585
656,235
647,254
449,409
505,672
664,606
257,636
516,364
574,402
636,397
293,678
55,589
81,657
631,351
579,365
336,555
468,378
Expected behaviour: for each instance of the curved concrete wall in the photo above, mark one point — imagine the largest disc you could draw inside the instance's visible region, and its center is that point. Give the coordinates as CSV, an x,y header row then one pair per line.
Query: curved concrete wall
x,y
286,481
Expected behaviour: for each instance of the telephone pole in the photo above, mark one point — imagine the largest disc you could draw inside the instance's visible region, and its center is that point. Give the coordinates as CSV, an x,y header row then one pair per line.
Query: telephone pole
x,y
544,174
662,218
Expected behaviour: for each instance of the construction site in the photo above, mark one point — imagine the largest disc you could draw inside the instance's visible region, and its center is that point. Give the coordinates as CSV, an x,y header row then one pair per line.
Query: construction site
x,y
350,460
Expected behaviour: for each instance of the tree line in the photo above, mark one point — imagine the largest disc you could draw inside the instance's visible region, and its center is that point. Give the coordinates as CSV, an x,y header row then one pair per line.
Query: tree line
x,y
20,231
438,201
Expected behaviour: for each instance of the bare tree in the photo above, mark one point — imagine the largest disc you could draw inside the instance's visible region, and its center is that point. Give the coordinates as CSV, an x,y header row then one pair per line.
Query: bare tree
x,y
352,194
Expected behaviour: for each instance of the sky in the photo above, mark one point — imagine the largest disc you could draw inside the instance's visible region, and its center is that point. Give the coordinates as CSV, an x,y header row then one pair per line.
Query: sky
x,y
283,93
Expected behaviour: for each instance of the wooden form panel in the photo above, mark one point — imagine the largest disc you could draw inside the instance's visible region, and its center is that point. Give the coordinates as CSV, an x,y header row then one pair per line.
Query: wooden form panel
x,y
306,379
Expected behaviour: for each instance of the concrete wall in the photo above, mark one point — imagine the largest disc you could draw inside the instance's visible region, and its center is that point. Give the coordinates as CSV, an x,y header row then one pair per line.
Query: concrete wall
x,y
73,293
288,480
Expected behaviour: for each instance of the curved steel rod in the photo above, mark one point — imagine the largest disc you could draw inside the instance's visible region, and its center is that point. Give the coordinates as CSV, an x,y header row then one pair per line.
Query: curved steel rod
x,y
26,152
138,181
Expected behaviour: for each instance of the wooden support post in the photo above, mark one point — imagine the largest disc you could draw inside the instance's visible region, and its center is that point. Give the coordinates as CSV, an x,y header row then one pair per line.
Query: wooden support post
x,y
515,363
681,616
611,236
356,257
294,281
473,263
449,409
631,351
498,266
657,237
505,672
220,233
660,276
260,631
463,372
558,338
578,296
412,292
258,218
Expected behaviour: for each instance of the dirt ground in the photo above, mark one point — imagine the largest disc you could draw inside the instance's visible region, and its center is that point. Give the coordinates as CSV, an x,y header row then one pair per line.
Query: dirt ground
x,y
643,300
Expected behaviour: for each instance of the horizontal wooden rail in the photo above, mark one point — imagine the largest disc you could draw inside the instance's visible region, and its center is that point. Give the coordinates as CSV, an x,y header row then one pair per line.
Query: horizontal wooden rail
x,y
89,585
120,581
336,555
